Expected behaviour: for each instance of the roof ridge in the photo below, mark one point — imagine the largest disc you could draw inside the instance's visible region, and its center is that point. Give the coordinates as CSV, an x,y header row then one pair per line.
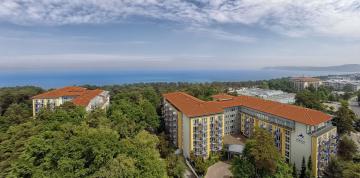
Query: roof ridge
x,y
287,111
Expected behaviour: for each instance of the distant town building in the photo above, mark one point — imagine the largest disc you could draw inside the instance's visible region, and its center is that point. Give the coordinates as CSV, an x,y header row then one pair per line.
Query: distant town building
x,y
273,95
301,83
200,127
341,84
80,96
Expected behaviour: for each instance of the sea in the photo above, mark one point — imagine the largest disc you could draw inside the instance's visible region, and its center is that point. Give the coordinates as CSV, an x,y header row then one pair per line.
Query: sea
x,y
59,78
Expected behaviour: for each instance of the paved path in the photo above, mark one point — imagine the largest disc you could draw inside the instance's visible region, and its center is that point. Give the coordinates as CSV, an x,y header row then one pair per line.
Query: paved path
x,y
219,170
354,106
188,174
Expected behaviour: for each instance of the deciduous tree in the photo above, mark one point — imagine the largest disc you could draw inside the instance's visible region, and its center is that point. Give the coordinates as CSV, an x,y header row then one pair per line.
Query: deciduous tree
x,y
344,119
346,149
241,167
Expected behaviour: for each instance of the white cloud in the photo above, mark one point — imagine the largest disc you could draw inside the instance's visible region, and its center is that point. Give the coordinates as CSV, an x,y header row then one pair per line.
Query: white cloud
x,y
292,17
221,35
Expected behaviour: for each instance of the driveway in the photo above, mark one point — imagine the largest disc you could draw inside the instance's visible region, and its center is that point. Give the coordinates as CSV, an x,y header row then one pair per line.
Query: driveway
x,y
219,170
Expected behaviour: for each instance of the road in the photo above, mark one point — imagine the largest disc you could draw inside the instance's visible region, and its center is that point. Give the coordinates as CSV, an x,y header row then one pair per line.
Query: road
x,y
354,106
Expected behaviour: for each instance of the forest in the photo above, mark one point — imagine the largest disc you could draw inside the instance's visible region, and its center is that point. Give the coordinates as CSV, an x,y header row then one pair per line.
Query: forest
x,y
126,140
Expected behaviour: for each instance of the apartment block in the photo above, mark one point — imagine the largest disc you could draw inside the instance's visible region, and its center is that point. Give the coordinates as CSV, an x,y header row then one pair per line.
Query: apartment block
x,y
340,85
90,99
200,126
301,83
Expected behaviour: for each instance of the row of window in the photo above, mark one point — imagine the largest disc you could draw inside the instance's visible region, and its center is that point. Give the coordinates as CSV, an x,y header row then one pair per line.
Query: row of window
x,y
230,116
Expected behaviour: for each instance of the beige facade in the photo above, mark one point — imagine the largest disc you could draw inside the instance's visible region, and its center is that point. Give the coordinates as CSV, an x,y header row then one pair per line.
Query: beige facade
x,y
303,136
89,99
197,135
301,83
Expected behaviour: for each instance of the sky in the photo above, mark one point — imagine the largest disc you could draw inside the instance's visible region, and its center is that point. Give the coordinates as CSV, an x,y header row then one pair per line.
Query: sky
x,y
177,34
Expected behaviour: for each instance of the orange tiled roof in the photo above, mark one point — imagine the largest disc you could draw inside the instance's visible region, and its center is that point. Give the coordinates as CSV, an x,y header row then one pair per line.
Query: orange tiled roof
x,y
290,112
191,106
222,96
85,98
66,91
82,95
287,111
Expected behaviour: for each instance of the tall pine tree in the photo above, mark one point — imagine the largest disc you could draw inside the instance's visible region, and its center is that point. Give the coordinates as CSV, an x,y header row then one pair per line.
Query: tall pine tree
x,y
294,172
303,169
309,168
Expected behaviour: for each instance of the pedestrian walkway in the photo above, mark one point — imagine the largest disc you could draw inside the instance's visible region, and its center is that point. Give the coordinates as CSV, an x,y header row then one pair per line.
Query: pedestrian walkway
x,y
219,170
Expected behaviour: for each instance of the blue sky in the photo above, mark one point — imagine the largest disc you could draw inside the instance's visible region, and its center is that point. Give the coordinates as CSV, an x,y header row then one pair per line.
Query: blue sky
x,y
177,34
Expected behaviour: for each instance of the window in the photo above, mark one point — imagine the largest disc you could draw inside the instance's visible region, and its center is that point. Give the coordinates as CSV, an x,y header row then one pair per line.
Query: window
x,y
287,132
287,146
287,139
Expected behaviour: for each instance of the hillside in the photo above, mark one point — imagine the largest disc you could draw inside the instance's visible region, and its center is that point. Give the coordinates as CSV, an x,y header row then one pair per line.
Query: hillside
x,y
339,68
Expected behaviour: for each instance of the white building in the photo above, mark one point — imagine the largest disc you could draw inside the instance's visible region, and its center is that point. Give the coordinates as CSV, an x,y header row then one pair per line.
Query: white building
x,y
339,84
89,99
273,95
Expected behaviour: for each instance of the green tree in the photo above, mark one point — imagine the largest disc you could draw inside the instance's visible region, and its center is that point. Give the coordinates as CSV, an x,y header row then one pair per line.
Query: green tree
x,y
283,170
143,148
303,169
97,118
346,149
69,151
308,99
344,119
351,169
141,111
13,142
283,84
125,126
334,169
309,168
340,168
175,166
348,88
264,152
264,85
347,96
199,164
164,145
17,95
151,95
260,158
294,171
15,114
150,116
121,166
241,167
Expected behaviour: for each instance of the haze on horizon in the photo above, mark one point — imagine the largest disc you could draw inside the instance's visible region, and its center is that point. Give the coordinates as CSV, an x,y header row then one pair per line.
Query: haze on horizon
x,y
177,34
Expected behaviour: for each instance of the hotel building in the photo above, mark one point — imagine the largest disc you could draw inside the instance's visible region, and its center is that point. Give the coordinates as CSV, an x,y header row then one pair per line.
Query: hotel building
x,y
301,83
90,99
199,126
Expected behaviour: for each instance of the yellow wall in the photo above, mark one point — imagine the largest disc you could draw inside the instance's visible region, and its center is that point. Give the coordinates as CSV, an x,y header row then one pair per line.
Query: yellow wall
x,y
208,142
58,102
33,102
314,151
179,130
208,134
258,122
282,130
